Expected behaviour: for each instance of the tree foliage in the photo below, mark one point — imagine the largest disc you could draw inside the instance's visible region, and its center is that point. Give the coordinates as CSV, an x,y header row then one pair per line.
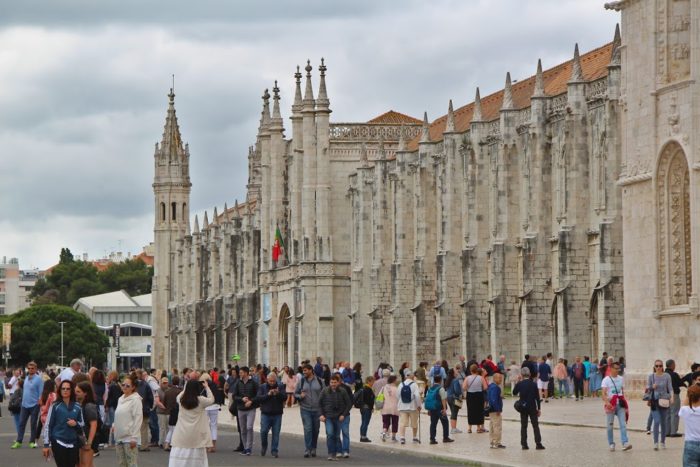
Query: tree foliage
x,y
36,335
71,280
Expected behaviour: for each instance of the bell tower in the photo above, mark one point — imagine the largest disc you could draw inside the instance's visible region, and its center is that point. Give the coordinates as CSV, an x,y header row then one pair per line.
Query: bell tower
x,y
171,193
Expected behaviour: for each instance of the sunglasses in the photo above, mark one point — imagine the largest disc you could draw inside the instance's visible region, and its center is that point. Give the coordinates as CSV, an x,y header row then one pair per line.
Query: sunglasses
x,y
658,366
126,385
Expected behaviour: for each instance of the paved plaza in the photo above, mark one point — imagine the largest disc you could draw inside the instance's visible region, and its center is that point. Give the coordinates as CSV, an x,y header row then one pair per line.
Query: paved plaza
x,y
573,433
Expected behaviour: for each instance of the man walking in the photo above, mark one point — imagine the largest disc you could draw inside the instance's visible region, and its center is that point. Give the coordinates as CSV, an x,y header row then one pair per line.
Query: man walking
x,y
530,408
335,405
33,386
615,406
409,406
672,412
578,372
271,398
318,368
436,405
544,372
244,395
147,401
308,393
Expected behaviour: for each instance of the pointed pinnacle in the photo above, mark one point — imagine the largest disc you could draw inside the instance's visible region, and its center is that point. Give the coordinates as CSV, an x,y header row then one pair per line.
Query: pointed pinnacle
x,y
615,59
196,224
576,73
539,80
297,92
450,125
205,222
425,135
507,94
309,92
276,104
236,214
215,218
227,214
476,115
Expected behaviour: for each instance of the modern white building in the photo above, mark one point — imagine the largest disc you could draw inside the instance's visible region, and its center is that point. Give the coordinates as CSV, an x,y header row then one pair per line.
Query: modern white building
x,y
15,286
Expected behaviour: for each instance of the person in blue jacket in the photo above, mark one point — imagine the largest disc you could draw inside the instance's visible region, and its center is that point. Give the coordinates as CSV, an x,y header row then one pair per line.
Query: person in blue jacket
x,y
495,399
63,423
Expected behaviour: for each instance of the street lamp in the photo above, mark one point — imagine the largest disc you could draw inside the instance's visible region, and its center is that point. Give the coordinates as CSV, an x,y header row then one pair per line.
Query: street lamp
x,y
62,356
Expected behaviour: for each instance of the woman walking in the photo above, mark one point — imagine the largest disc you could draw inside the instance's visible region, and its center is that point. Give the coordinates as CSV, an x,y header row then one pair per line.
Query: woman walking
x,y
475,385
114,392
63,428
660,395
213,410
690,413
85,397
454,396
289,380
192,434
48,397
390,410
127,423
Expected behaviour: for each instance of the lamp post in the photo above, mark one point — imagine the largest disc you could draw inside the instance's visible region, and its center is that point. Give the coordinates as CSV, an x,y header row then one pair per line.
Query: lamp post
x,y
62,356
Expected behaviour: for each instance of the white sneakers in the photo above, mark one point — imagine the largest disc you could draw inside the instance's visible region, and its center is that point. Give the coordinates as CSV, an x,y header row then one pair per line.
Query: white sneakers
x,y
454,431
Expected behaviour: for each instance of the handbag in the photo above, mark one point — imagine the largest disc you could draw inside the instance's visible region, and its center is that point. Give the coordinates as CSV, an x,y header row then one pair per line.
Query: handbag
x,y
379,400
520,406
664,403
458,402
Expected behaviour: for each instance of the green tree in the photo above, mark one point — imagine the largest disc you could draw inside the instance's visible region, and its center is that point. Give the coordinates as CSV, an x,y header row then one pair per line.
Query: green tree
x,y
133,276
36,335
66,256
67,282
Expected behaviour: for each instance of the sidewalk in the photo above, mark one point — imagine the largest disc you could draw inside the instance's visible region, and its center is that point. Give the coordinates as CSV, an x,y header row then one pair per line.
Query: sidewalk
x,y
573,433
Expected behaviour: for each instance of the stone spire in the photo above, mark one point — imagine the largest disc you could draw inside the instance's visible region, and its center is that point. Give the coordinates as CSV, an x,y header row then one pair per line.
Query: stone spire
x,y
476,115
450,125
236,214
322,101
425,135
276,115
616,60
227,214
215,217
402,138
296,107
576,72
507,94
363,155
172,141
265,115
196,224
205,222
539,80
309,93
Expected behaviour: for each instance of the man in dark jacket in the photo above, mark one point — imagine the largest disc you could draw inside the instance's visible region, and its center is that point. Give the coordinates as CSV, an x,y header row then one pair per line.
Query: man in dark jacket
x,y
271,398
244,396
530,400
146,393
672,412
335,406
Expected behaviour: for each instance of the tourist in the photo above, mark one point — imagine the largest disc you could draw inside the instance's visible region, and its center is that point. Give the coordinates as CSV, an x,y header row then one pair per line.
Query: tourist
x,y
603,365
365,398
357,375
495,398
271,398
578,374
318,368
70,371
48,397
162,411
170,402
501,364
128,417
594,379
192,434
289,380
490,367
91,414
437,370
381,382
326,375
672,413
308,393
213,410
244,394
152,381
402,369
99,388
513,375
436,405
587,377
690,413
390,410
147,400
454,395
344,439
31,393
14,406
347,373
421,376
615,406
475,385
561,375
231,383
335,405
544,372
114,392
530,401
660,397
63,422
409,404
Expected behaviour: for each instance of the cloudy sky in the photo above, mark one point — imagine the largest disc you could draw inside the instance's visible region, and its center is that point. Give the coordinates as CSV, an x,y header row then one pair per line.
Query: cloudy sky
x,y
83,89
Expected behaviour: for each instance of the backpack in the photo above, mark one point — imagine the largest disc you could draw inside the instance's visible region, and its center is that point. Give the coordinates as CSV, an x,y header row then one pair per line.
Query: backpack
x,y
436,371
432,399
358,399
15,403
406,393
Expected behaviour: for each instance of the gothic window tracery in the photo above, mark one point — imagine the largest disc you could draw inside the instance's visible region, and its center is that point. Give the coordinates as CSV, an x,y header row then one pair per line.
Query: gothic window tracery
x,y
673,205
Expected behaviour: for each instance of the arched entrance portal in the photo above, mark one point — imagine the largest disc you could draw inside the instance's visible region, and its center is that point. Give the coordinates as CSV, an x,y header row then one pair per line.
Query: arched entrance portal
x,y
285,318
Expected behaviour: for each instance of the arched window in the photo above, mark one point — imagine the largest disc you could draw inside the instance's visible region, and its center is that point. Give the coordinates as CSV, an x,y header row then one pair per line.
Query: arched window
x,y
162,212
673,223
173,207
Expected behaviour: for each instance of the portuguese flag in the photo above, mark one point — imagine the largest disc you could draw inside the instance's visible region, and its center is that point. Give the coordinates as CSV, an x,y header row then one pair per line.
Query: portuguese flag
x,y
278,247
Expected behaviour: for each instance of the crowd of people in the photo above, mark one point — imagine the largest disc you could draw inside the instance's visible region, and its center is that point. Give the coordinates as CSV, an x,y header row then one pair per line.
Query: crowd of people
x,y
75,414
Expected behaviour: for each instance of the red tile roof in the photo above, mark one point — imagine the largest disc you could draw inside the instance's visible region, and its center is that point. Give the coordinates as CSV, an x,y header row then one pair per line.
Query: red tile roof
x,y
396,118
594,65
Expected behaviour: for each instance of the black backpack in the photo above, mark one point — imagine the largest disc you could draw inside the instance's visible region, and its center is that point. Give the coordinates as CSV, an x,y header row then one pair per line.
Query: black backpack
x,y
358,399
14,405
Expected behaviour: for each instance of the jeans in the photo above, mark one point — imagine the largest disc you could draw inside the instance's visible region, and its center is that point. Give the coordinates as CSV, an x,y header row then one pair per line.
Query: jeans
x,y
153,426
309,419
24,415
247,419
344,439
563,387
535,427
578,388
366,415
268,422
672,425
109,422
435,416
15,418
691,454
620,413
660,417
332,435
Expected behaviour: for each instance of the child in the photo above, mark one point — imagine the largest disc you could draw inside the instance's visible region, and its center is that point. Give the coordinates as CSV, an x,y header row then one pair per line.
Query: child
x,y
495,399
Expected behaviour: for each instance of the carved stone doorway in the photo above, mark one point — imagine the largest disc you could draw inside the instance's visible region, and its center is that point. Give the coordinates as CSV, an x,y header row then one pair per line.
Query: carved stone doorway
x,y
283,335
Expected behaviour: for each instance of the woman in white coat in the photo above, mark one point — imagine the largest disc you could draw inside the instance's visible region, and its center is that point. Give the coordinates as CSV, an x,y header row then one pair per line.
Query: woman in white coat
x,y
127,423
192,435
